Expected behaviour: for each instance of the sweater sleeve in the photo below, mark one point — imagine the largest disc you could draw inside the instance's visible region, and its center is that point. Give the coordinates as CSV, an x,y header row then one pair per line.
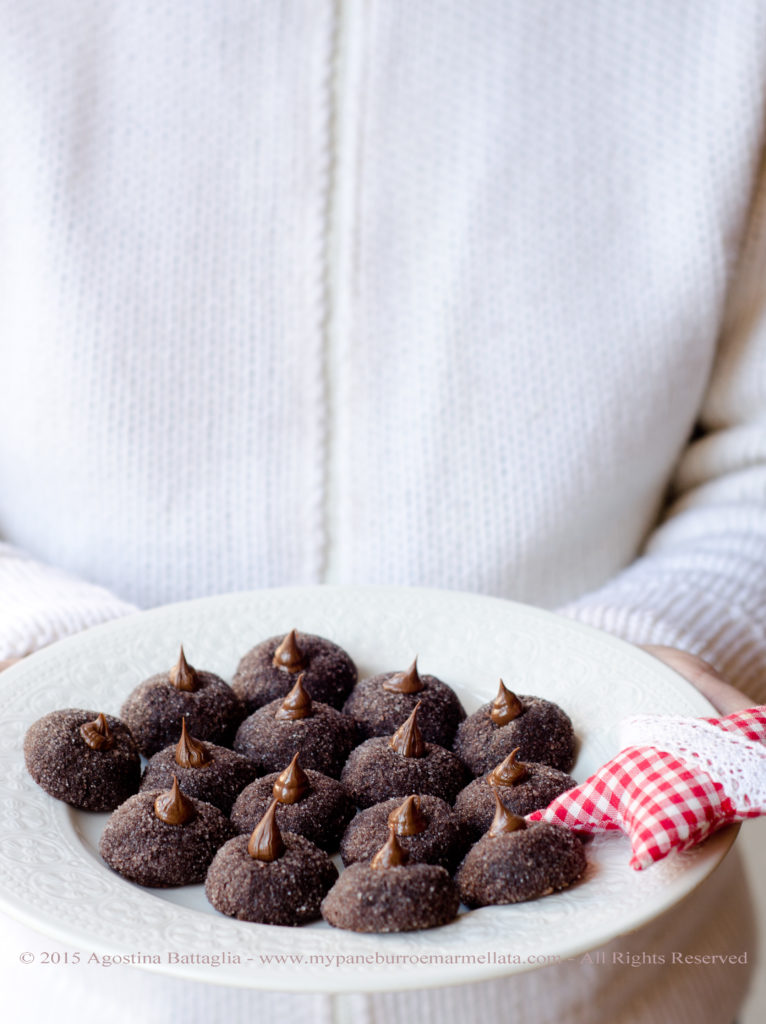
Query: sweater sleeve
x,y
700,583
40,604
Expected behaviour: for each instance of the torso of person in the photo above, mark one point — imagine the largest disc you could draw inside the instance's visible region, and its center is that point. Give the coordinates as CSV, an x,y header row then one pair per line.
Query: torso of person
x,y
380,293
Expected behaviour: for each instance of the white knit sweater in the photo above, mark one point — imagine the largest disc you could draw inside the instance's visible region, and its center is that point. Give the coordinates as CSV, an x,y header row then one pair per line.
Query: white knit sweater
x,y
385,292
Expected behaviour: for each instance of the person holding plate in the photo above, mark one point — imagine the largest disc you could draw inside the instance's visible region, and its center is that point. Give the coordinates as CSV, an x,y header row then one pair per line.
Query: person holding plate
x,y
465,296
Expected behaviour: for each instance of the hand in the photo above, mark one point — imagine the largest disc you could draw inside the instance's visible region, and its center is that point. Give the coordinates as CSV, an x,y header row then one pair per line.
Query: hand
x,y
700,673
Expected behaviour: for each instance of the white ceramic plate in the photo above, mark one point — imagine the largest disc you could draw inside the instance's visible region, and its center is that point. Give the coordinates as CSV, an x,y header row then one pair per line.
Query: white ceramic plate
x,y
52,877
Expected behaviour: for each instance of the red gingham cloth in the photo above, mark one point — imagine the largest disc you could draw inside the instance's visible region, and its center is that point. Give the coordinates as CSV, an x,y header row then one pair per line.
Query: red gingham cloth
x,y
659,801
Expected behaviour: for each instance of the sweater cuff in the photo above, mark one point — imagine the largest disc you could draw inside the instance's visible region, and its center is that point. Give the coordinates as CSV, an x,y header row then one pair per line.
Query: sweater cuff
x,y
668,612
40,604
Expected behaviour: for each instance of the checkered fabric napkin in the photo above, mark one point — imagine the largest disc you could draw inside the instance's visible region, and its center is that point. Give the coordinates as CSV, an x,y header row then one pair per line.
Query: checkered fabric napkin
x,y
661,801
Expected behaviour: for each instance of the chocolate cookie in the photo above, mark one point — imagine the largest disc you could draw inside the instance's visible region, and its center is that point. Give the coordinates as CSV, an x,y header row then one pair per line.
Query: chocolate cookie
x,y
426,827
268,671
86,758
381,703
309,804
270,877
154,709
523,787
539,728
163,839
272,735
517,861
399,765
389,895
205,771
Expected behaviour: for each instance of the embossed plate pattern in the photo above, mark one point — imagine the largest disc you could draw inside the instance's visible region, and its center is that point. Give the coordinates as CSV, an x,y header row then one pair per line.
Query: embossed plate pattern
x,y
52,877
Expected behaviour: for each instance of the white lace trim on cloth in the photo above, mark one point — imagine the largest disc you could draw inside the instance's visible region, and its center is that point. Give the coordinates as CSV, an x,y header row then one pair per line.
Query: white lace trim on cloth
x,y
729,758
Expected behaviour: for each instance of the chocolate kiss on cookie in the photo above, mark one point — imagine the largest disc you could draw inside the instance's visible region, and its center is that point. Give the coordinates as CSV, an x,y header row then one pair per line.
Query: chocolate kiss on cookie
x,y
97,734
408,739
401,764
381,703
205,770
297,704
190,753
426,827
155,708
271,877
391,854
173,807
308,803
272,735
518,860
505,707
266,842
388,894
291,785
540,730
522,788
162,839
408,818
288,655
86,758
268,671
504,821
